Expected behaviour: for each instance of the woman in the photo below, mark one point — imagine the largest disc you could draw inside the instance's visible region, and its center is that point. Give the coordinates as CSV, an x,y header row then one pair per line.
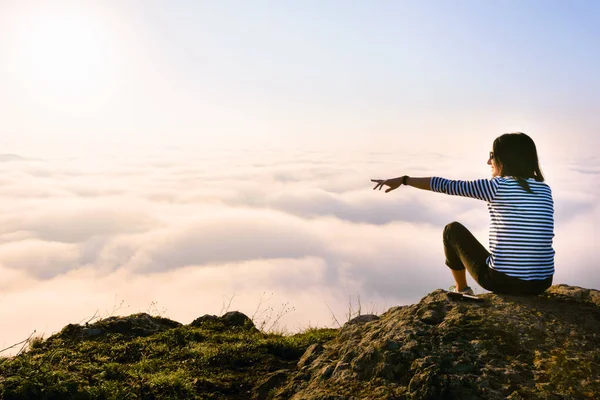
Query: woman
x,y
521,257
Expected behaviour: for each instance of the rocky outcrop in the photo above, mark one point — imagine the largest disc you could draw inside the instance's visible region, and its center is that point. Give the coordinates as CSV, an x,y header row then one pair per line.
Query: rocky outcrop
x,y
142,325
136,325
229,320
506,347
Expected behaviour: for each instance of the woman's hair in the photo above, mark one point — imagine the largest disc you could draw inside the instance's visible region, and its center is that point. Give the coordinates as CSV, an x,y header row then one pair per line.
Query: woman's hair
x,y
516,156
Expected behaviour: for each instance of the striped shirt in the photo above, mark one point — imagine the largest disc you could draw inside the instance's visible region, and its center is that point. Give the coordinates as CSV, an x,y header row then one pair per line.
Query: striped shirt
x,y
522,223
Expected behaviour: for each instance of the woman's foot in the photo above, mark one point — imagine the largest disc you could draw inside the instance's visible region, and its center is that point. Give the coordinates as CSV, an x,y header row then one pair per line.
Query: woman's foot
x,y
466,290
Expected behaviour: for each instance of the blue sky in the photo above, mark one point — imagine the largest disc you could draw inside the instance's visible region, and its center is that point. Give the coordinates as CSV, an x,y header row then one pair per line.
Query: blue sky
x,y
534,58
310,74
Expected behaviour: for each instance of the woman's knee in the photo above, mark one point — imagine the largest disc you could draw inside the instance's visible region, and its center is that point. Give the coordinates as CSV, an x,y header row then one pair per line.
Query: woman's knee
x,y
451,228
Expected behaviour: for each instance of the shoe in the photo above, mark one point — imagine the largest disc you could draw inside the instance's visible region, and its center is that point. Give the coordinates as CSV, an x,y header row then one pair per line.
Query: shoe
x,y
466,290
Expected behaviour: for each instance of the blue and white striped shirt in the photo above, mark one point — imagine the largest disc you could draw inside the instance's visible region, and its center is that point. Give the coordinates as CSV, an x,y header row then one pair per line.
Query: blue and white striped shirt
x,y
522,223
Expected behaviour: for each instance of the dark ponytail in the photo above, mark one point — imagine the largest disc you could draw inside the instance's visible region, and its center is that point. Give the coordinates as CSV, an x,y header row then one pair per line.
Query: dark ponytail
x,y
517,156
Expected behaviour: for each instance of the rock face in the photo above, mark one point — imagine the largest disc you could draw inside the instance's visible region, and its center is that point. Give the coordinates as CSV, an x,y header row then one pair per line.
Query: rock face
x,y
506,347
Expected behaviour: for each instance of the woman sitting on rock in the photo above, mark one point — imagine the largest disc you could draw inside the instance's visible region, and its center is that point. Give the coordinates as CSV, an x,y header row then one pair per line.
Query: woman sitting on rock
x,y
521,208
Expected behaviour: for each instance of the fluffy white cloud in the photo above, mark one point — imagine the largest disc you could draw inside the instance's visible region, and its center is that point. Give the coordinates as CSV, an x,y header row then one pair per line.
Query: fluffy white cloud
x,y
187,231
40,258
74,221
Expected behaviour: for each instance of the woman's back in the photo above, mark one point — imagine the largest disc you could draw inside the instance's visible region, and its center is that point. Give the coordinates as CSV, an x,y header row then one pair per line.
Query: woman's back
x,y
521,229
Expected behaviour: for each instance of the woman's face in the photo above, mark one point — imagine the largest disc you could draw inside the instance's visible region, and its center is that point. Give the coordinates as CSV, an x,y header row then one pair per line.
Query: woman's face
x,y
495,167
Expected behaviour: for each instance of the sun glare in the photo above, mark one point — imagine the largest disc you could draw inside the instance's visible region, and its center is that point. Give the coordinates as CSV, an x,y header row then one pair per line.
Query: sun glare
x,y
66,60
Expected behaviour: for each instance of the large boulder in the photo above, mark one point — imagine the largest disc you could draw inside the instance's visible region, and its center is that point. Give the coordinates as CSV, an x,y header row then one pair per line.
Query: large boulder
x,y
506,347
229,320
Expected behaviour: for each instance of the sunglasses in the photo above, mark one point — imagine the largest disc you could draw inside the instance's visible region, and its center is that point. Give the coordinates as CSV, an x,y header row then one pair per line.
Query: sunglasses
x,y
491,155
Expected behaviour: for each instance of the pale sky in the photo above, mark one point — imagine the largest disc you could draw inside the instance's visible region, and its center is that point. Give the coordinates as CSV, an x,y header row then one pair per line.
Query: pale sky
x,y
169,155
307,74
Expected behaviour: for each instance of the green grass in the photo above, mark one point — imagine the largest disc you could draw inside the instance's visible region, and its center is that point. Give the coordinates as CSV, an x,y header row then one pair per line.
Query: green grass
x,y
207,362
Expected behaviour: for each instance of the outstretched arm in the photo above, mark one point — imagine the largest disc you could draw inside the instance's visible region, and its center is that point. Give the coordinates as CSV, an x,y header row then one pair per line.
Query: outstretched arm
x,y
394,183
482,189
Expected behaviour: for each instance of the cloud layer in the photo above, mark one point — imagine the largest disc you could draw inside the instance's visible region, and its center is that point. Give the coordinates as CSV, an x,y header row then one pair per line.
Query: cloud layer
x,y
307,228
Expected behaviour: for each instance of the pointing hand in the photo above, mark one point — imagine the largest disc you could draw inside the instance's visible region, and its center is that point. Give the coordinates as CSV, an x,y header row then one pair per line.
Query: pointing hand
x,y
393,183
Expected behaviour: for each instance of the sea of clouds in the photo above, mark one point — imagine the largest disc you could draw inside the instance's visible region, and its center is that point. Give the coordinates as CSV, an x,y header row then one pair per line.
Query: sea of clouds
x,y
298,233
